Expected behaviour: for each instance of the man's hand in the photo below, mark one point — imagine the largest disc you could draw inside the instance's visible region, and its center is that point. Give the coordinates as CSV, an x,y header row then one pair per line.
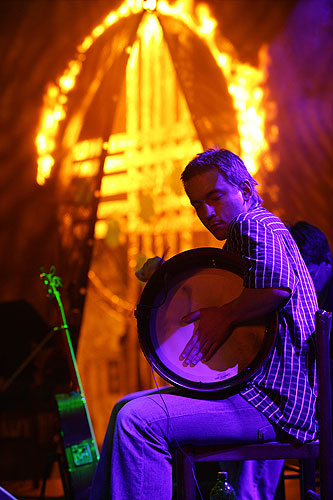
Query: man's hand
x,y
213,330
148,269
217,323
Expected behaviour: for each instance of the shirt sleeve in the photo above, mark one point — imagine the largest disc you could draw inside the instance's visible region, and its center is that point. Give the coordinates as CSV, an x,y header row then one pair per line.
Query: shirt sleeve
x,y
266,262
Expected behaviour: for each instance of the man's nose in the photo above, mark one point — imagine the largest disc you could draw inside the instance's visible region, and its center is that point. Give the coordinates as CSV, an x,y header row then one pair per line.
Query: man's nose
x,y
209,211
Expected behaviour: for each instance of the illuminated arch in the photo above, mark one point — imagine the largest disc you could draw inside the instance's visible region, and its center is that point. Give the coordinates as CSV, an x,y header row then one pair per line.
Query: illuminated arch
x,y
244,84
220,103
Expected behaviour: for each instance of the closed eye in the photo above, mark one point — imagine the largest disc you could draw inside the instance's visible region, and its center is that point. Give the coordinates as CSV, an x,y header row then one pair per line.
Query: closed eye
x,y
216,196
211,197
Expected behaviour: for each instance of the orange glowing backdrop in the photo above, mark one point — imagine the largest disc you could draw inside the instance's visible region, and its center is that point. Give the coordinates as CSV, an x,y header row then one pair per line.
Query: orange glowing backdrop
x,y
148,88
245,83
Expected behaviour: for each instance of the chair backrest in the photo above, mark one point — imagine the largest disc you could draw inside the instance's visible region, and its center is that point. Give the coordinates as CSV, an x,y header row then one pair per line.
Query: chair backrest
x,y
323,328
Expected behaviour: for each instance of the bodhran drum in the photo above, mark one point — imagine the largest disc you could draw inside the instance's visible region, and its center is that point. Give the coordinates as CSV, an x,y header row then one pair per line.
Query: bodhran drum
x,y
189,281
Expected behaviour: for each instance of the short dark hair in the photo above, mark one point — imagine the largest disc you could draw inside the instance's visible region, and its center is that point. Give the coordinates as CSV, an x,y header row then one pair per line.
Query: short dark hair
x,y
227,163
311,242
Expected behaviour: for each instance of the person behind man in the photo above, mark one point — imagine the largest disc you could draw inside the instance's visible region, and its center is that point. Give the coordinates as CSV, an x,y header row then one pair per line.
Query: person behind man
x,y
279,400
316,252
317,255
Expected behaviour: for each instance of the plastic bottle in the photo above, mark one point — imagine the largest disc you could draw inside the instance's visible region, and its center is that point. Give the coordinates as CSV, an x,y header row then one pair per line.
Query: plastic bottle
x,y
222,490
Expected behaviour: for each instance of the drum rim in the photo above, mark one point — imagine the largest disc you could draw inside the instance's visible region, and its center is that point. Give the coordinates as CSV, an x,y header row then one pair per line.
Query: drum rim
x,y
214,256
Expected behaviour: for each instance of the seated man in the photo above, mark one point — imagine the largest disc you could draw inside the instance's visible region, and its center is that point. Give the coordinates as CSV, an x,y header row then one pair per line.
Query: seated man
x,y
278,402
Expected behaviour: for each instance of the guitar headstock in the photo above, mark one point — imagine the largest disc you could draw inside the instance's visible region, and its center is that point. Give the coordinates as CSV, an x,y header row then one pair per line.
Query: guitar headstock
x,y
52,282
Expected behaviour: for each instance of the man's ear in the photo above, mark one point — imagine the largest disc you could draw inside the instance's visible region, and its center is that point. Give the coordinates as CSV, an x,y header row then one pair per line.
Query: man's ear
x,y
329,260
246,190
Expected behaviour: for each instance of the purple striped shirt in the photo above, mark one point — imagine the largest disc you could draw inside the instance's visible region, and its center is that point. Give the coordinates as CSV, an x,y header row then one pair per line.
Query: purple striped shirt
x,y
284,389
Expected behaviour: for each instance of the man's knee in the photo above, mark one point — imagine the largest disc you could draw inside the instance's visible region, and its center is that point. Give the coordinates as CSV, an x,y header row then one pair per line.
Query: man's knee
x,y
142,418
129,416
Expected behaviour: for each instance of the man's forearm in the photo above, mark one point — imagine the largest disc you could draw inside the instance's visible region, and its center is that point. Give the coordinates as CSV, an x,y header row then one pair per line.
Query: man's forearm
x,y
253,303
217,323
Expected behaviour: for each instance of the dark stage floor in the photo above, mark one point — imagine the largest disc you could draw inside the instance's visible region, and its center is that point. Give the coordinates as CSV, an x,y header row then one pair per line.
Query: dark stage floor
x,y
27,490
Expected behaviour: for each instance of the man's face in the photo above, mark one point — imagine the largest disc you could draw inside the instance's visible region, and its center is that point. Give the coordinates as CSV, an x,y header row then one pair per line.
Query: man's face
x,y
216,201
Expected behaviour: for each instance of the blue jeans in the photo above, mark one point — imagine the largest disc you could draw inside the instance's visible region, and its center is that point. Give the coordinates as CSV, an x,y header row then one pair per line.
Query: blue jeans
x,y
135,460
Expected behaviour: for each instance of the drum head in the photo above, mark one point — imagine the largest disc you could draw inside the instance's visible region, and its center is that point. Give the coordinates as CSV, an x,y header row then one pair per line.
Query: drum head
x,y
189,281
